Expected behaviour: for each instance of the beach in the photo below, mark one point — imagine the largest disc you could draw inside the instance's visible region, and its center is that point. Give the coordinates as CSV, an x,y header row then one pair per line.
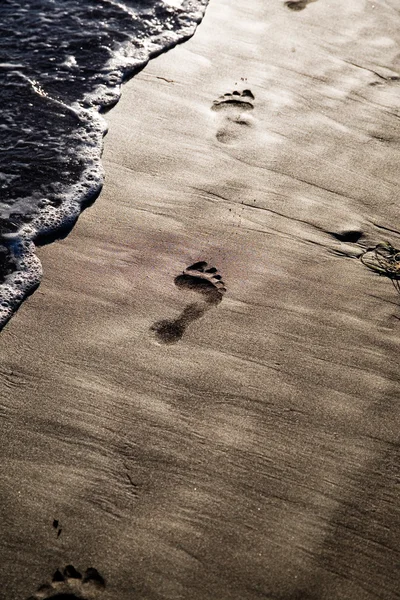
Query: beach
x,y
245,447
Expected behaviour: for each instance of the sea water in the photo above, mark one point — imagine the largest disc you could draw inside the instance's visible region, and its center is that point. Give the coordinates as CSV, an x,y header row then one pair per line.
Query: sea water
x,y
62,63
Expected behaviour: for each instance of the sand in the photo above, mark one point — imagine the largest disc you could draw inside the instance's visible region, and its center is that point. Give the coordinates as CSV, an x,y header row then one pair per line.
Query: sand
x,y
258,456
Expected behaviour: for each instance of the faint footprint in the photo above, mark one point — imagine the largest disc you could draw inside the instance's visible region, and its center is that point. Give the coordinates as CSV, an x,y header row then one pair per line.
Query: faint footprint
x,y
298,4
199,278
70,585
233,107
57,527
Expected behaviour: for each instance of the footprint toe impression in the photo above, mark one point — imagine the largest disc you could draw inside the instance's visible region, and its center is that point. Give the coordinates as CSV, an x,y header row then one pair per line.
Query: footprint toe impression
x,y
70,585
204,281
236,100
199,278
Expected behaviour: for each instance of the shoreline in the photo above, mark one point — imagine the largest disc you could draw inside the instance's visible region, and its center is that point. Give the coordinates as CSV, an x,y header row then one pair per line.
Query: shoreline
x,y
258,455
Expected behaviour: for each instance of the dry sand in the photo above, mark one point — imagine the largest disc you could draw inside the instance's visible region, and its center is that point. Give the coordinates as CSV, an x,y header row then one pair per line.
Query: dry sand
x,y
257,457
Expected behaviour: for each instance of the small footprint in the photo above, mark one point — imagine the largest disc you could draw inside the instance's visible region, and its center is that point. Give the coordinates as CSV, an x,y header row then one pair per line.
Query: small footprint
x,y
70,585
298,4
233,107
57,527
202,279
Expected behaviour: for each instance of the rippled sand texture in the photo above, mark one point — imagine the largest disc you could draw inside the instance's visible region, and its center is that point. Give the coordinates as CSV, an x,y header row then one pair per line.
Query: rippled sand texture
x,y
250,448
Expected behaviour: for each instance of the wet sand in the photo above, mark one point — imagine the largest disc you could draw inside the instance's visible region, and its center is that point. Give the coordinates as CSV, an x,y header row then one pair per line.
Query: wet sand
x,y
257,455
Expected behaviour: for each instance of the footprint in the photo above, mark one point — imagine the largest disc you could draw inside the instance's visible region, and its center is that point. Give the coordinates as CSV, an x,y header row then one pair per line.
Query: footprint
x,y
233,119
202,279
57,527
298,4
70,585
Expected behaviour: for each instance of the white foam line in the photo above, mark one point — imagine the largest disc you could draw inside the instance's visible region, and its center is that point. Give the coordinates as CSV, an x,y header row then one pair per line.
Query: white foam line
x,y
125,9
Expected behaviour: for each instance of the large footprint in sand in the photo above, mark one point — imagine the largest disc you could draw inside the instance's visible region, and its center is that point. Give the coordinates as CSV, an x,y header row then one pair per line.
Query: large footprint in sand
x,y
233,115
202,279
71,585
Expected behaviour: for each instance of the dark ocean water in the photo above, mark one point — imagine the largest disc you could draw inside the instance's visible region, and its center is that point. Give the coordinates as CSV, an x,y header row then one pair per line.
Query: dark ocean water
x,y
62,62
